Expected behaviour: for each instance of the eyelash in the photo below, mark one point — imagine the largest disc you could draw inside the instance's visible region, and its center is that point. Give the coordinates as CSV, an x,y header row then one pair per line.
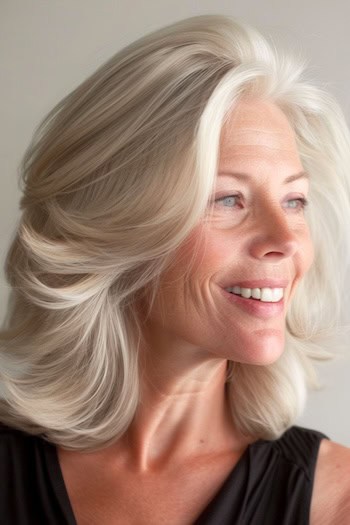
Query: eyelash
x,y
303,202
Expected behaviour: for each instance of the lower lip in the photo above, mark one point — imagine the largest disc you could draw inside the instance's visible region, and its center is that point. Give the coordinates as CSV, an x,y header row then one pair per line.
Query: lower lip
x,y
256,307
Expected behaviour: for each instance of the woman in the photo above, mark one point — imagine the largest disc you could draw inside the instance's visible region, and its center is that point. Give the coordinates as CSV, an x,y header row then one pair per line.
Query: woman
x,y
171,285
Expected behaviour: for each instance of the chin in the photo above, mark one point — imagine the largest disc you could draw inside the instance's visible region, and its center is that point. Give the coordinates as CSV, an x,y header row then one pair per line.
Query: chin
x,y
269,349
264,350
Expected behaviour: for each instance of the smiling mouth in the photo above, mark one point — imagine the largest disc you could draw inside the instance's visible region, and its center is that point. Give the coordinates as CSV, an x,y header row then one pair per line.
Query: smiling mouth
x,y
265,295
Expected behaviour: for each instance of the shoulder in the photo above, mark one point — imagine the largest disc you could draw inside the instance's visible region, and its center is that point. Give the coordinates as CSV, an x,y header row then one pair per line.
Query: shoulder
x,y
10,436
19,450
14,445
331,492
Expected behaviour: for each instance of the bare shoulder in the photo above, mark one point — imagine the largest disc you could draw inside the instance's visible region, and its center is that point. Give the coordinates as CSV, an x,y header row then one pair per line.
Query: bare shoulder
x,y
330,502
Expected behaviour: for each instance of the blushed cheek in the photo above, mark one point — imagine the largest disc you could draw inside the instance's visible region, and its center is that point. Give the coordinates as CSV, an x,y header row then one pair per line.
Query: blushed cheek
x,y
308,252
191,256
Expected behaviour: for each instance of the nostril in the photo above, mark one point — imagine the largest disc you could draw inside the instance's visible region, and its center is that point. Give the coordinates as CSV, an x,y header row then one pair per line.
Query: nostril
x,y
273,247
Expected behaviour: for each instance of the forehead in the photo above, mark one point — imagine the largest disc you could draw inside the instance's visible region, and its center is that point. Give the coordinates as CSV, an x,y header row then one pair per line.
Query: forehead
x,y
256,123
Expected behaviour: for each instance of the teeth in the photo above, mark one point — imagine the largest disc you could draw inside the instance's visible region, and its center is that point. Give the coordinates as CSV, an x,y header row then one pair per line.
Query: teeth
x,y
246,292
266,295
256,293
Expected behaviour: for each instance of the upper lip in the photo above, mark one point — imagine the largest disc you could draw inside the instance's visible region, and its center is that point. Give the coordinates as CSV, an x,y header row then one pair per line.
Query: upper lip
x,y
260,283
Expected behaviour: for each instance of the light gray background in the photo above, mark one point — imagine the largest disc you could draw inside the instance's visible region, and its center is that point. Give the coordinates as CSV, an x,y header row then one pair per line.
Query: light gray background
x,y
47,47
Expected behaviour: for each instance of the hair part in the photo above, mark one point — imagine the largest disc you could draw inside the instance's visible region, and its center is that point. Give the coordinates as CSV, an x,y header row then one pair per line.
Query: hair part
x,y
115,178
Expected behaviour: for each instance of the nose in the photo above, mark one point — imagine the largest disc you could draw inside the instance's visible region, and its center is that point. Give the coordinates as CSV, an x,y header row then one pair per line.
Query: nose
x,y
273,237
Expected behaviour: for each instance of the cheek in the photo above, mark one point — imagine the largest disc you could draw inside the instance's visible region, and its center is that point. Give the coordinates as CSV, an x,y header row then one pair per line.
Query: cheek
x,y
187,281
308,252
205,255
178,282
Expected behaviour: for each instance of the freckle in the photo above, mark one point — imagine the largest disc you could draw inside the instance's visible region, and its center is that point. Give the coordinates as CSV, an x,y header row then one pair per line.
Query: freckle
x,y
202,441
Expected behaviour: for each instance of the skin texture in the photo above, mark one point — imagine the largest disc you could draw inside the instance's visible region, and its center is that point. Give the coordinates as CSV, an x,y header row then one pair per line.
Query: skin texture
x,y
256,237
182,441
193,329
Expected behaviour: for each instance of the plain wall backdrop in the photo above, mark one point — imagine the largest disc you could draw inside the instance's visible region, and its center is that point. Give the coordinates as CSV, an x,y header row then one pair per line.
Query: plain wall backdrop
x,y
48,47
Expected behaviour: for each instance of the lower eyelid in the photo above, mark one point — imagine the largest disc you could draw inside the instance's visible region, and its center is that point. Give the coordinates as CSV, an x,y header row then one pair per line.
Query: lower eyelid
x,y
237,197
303,202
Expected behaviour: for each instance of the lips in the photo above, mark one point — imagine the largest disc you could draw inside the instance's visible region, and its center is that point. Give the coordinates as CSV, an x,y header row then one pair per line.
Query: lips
x,y
258,283
262,310
260,294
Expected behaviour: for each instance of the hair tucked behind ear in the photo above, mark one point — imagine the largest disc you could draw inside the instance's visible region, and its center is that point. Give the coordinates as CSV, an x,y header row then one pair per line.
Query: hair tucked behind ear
x,y
116,177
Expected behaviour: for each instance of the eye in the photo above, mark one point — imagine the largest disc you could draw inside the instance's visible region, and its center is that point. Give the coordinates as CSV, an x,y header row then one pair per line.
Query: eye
x,y
229,201
298,204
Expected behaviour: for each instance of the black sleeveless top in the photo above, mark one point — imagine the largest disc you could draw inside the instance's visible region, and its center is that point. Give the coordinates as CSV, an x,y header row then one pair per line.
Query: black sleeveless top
x,y
270,485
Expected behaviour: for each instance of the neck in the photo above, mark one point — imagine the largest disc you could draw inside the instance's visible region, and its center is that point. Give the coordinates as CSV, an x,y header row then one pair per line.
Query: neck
x,y
183,413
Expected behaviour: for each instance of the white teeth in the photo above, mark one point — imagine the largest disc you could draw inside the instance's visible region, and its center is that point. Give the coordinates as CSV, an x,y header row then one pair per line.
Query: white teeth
x,y
246,292
256,293
277,294
267,295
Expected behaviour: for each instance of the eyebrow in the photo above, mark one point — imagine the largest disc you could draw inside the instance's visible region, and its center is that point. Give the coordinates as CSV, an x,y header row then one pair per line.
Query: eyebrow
x,y
245,177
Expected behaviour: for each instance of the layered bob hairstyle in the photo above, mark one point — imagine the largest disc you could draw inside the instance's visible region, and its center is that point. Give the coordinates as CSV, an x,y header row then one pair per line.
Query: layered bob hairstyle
x,y
114,180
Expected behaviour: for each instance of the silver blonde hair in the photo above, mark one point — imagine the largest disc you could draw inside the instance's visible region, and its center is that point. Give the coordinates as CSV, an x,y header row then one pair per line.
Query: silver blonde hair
x,y
114,180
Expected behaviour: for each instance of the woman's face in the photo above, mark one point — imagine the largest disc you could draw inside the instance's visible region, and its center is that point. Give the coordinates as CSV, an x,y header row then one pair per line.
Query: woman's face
x,y
256,239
